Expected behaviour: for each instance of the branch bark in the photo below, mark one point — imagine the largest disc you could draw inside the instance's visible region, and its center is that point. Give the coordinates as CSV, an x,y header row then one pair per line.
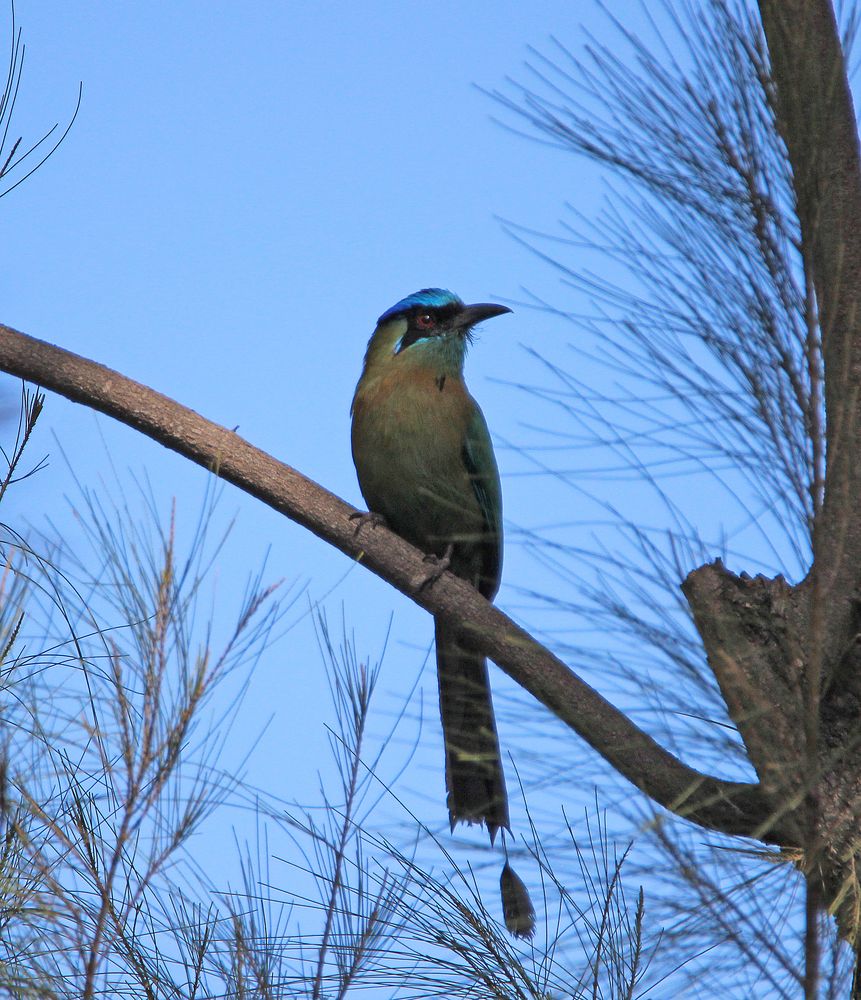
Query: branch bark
x,y
729,807
751,629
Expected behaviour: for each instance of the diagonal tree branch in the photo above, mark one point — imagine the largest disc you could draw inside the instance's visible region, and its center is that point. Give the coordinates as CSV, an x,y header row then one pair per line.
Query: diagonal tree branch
x,y
730,807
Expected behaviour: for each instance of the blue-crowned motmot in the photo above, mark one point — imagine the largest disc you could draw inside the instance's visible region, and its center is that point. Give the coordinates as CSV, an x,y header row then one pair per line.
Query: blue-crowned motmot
x,y
425,463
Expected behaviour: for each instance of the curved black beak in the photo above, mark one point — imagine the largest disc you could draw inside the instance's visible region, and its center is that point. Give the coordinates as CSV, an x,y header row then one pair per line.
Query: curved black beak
x,y
470,315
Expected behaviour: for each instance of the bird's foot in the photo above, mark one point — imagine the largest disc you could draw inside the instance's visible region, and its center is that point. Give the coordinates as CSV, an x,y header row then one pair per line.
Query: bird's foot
x,y
437,565
366,519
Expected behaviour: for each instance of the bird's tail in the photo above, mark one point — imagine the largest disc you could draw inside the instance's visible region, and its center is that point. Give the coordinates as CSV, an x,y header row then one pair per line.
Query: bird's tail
x,y
474,777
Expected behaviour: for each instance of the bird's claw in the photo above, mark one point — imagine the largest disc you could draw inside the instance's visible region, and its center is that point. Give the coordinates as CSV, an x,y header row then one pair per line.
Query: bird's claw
x,y
366,519
437,565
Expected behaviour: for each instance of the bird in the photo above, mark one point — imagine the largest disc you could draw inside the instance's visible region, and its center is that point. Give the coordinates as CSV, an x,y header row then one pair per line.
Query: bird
x,y
426,466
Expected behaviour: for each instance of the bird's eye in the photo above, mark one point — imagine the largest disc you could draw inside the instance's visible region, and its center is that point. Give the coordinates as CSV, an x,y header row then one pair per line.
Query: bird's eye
x,y
425,321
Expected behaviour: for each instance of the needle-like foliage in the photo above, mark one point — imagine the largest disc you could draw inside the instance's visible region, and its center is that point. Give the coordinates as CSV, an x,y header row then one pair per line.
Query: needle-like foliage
x,y
18,159
106,772
696,370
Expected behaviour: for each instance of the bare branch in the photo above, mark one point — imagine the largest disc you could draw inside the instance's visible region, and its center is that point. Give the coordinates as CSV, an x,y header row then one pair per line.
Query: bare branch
x,y
732,807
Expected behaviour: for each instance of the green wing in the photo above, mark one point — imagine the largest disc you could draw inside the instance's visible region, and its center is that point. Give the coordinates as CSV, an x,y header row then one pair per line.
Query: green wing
x,y
480,464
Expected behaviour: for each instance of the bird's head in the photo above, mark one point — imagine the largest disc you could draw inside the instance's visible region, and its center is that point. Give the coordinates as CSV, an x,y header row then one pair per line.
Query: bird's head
x,y
429,327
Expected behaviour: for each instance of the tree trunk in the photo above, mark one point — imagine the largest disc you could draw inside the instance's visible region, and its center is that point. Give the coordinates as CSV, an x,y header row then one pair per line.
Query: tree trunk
x,y
788,658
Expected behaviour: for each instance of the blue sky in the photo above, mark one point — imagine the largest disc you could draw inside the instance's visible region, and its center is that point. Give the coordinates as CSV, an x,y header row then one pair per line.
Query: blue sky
x,y
246,188
242,194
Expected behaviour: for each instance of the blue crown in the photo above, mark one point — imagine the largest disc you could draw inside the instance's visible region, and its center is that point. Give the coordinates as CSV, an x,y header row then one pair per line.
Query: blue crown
x,y
428,298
